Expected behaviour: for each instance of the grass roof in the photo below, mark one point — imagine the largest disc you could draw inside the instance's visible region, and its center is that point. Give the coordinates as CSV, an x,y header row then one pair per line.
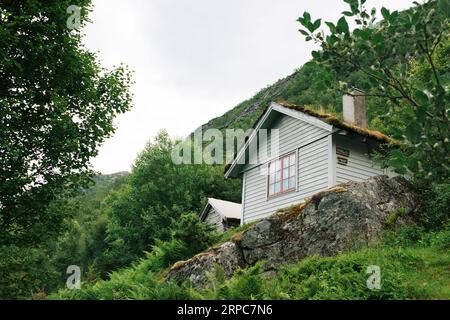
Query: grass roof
x,y
333,120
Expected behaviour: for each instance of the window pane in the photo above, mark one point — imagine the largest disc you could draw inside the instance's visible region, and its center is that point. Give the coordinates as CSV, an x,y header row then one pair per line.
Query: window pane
x,y
285,184
291,182
272,168
271,188
277,165
286,168
277,187
292,171
285,173
278,176
272,178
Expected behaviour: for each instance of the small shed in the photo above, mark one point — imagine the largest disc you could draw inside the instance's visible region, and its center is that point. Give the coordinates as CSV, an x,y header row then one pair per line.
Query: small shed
x,y
222,214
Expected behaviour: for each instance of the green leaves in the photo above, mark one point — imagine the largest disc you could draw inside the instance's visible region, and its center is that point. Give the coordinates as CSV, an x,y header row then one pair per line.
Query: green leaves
x,y
307,16
444,7
308,24
397,160
342,26
316,54
353,5
332,40
316,25
57,105
412,131
404,61
305,19
331,26
385,13
25,271
362,33
303,32
421,96
377,38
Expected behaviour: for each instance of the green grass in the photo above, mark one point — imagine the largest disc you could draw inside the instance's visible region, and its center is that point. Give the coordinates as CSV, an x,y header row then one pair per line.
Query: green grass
x,y
413,265
406,273
229,234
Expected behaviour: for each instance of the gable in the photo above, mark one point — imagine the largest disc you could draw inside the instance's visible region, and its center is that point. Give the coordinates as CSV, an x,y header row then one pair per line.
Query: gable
x,y
295,129
224,209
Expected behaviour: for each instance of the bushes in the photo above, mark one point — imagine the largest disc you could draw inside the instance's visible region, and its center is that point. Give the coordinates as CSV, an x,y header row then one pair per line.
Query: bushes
x,y
135,282
245,284
433,225
342,277
407,236
25,272
442,239
189,236
436,211
197,235
158,192
410,271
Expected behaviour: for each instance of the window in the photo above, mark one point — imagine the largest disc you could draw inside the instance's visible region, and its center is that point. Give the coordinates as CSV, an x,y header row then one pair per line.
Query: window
x,y
282,174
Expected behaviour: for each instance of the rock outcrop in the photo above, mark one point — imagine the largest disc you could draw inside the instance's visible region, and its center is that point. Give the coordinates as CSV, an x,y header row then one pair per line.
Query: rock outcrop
x,y
336,220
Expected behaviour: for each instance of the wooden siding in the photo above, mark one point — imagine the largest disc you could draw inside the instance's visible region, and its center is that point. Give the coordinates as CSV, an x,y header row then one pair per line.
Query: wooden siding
x,y
359,166
212,217
312,144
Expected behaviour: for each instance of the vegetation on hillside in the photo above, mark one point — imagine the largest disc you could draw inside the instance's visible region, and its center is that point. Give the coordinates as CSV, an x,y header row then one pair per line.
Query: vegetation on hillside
x,y
35,270
159,192
404,60
123,216
414,264
57,105
127,229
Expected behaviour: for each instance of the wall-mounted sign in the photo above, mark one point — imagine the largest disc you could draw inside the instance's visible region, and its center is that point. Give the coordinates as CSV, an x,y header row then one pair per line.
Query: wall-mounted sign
x,y
342,161
342,152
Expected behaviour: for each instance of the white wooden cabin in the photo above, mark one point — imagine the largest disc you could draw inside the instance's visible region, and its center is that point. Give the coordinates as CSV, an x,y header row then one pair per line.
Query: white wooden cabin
x,y
222,214
316,152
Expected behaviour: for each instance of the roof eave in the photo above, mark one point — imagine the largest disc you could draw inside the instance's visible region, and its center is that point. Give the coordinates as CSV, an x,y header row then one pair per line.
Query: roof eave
x,y
257,125
204,211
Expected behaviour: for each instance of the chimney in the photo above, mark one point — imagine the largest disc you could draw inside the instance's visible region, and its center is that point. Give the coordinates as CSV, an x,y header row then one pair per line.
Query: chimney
x,y
354,108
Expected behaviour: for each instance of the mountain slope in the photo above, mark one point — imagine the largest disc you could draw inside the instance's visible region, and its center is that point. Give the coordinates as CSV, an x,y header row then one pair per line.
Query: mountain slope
x,y
315,85
306,86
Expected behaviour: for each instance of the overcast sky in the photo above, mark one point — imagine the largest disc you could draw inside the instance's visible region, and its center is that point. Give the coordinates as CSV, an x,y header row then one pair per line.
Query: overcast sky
x,y
195,60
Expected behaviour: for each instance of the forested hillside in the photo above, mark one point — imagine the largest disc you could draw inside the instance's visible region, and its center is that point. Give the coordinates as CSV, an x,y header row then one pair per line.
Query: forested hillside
x,y
80,243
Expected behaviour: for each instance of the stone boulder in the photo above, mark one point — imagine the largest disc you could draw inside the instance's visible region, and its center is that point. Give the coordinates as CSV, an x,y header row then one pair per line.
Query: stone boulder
x,y
228,256
342,218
